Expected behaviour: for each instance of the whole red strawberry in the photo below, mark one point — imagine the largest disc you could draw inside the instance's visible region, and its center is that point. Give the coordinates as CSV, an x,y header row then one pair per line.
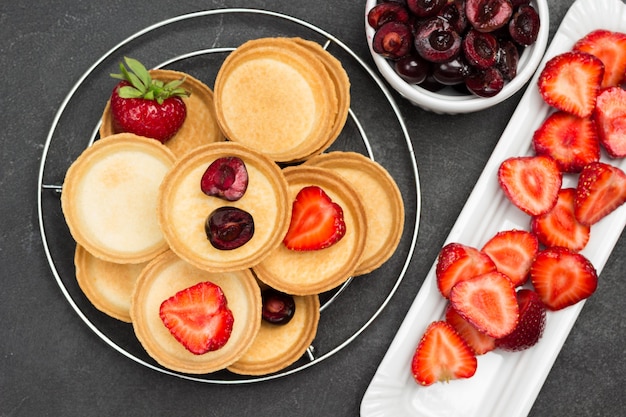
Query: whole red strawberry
x,y
147,107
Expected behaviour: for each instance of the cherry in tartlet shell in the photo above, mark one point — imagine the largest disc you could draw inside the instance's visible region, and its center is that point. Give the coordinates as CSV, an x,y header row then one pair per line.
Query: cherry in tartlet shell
x,y
184,208
277,346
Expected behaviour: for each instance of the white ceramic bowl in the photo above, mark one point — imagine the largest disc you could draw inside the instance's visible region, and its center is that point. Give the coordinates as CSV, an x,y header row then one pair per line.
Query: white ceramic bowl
x,y
448,100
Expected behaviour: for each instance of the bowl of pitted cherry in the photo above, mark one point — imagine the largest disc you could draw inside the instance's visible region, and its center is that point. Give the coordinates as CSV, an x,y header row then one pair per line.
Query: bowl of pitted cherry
x,y
457,56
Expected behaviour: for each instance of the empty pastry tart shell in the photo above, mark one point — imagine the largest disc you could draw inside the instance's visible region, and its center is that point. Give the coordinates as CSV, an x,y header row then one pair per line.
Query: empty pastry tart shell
x,y
341,83
276,96
109,197
107,285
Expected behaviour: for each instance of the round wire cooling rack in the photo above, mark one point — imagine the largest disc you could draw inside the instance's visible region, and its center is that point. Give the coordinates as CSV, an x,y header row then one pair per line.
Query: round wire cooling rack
x,y
375,128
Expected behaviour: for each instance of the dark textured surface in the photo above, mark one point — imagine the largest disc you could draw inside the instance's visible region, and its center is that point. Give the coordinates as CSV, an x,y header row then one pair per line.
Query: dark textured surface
x,y
52,364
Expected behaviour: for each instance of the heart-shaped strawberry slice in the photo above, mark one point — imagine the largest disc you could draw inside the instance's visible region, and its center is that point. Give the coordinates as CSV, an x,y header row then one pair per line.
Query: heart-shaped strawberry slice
x,y
316,221
198,317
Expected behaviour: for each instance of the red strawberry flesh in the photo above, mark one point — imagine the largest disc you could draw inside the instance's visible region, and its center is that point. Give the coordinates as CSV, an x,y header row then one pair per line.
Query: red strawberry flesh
x,y
488,302
601,189
441,356
513,252
316,221
570,82
610,48
610,117
458,262
559,226
571,140
198,317
562,277
479,342
531,183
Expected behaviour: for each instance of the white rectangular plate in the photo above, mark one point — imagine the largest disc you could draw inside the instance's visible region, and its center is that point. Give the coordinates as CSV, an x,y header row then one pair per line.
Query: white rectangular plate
x,y
505,384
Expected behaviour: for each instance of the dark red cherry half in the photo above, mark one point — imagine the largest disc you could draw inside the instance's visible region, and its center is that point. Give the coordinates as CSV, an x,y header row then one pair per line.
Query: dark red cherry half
x,y
387,12
488,15
436,41
480,49
278,307
226,178
485,82
229,228
524,25
393,40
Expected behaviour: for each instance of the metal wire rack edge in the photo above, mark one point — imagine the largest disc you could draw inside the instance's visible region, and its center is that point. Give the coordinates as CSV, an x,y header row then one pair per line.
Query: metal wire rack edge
x,y
330,38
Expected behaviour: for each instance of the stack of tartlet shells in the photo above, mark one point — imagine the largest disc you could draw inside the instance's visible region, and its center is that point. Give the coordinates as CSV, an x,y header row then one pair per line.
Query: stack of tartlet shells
x,y
136,210
285,97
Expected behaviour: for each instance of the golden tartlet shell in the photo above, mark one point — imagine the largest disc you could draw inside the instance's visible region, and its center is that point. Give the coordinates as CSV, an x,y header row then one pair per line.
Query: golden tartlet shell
x,y
165,276
184,208
200,126
107,285
316,271
109,198
341,83
276,347
384,208
277,97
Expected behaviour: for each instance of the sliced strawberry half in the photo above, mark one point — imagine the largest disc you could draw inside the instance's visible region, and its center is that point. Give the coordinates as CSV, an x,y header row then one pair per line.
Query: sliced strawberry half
x,y
316,221
559,226
442,355
600,190
198,317
479,342
513,251
531,183
610,117
610,48
458,262
570,140
570,82
562,277
532,321
487,302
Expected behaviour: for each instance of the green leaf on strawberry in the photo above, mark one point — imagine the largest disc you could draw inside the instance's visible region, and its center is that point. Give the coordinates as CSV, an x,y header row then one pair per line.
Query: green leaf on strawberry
x,y
143,86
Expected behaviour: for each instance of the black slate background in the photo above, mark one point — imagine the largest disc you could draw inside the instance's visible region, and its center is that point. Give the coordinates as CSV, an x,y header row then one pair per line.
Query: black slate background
x,y
52,364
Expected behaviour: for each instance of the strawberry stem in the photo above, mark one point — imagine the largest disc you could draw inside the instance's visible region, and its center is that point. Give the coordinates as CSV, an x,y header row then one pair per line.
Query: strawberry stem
x,y
143,86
